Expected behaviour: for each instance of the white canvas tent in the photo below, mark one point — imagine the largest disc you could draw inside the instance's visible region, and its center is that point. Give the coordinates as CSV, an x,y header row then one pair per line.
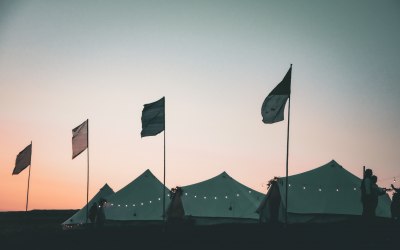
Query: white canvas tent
x,y
80,217
140,200
324,194
219,200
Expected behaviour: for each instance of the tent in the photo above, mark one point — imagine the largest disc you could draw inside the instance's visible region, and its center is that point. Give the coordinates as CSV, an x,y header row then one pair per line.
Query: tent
x,y
80,217
325,194
140,200
220,199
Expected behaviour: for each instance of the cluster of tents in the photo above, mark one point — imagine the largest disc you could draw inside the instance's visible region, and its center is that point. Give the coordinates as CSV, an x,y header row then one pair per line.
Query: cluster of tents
x,y
325,194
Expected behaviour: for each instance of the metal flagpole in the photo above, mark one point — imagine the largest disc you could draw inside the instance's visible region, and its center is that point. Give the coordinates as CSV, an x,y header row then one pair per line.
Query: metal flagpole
x,y
164,172
287,160
87,184
29,178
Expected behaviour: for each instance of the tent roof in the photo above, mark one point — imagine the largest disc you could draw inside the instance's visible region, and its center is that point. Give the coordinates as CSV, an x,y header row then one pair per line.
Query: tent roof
x,y
139,200
80,216
328,189
221,196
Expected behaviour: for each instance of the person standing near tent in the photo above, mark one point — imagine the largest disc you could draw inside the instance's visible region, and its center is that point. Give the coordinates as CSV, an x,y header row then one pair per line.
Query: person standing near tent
x,y
375,193
366,198
101,216
395,205
93,213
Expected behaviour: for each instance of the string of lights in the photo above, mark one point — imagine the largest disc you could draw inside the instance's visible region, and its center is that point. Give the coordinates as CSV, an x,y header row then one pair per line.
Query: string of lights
x,y
111,204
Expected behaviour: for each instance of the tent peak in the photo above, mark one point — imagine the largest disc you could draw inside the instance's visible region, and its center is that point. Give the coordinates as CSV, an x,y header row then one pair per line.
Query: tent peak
x,y
106,186
224,174
334,163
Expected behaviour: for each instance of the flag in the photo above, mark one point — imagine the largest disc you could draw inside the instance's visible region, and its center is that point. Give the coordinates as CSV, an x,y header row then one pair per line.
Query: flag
x,y
23,160
273,107
153,118
79,139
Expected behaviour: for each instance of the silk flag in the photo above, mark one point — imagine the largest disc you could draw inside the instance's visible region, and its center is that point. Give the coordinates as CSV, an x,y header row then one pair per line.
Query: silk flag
x,y
79,139
274,104
23,160
153,118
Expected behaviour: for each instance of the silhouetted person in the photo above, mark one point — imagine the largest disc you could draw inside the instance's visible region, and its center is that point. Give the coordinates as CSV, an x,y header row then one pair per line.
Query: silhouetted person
x,y
366,196
375,193
93,213
101,217
395,205
274,202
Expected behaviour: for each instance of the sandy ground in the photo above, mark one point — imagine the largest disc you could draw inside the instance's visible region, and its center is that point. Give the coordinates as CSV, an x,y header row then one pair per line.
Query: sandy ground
x,y
42,230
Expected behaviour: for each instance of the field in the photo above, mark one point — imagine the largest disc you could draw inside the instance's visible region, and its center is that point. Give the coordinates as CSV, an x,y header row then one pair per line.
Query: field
x,y
42,230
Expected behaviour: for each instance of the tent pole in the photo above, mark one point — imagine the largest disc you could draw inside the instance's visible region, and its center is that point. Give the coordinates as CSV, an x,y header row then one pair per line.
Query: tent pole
x,y
29,178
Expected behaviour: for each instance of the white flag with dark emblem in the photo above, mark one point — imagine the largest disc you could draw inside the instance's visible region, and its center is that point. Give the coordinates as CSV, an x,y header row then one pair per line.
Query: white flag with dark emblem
x,y
153,118
273,107
23,160
79,139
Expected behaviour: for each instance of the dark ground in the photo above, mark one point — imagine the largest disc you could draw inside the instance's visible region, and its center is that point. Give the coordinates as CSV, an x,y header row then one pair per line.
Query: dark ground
x,y
42,230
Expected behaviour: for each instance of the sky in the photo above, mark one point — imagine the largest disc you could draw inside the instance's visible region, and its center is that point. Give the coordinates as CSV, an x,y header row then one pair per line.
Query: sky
x,y
62,62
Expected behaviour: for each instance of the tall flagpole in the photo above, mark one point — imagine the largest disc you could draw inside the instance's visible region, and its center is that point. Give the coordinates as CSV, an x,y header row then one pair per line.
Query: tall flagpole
x,y
287,160
87,183
164,172
29,178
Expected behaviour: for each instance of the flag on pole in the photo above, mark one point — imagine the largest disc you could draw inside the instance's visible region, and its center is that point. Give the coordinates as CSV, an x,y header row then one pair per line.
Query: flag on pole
x,y
23,160
273,107
153,118
79,139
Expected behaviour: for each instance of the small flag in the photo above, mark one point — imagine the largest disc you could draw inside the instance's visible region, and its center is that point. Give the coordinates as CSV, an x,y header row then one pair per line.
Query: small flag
x,y
273,107
23,160
153,118
79,139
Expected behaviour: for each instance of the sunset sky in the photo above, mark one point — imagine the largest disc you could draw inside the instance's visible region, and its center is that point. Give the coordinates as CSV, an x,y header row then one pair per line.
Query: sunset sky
x,y
62,62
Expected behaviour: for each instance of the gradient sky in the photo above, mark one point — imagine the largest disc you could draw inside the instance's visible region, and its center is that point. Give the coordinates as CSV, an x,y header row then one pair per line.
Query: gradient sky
x,y
62,62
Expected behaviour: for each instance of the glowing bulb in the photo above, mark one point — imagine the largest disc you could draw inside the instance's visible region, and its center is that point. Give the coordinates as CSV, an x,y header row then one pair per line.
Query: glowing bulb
x,y
126,205
195,196
226,197
337,189
205,197
141,203
150,201
185,193
319,189
159,199
355,189
119,205
290,185
304,187
112,204
249,191
134,205
215,197
168,195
